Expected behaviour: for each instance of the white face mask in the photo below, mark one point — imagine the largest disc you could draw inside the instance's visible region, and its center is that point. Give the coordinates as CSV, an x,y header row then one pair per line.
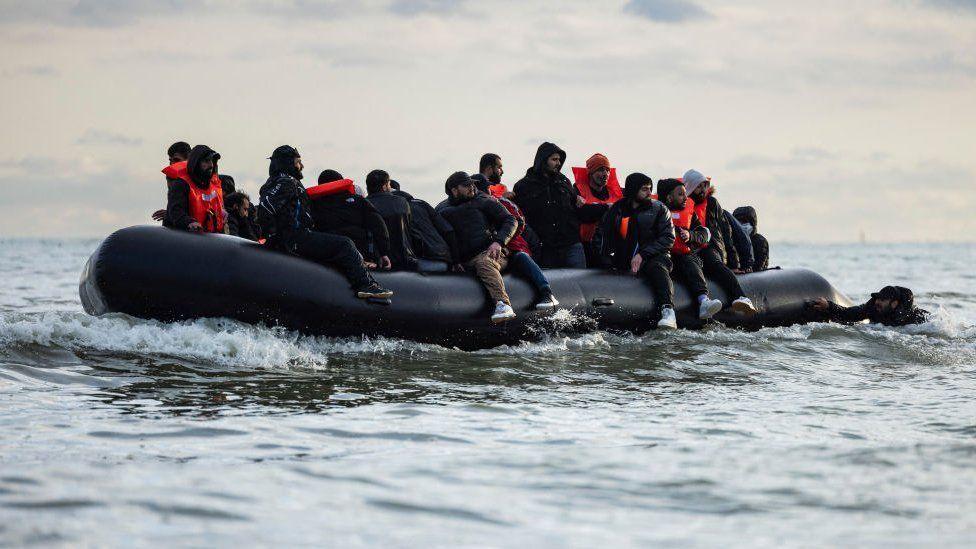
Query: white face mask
x,y
747,227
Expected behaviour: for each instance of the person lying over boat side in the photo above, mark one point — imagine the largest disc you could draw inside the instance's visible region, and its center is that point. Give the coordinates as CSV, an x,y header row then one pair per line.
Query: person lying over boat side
x,y
889,306
286,218
483,228
636,235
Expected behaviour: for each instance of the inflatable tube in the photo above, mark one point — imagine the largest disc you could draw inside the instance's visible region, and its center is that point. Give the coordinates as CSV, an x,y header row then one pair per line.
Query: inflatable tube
x,y
157,273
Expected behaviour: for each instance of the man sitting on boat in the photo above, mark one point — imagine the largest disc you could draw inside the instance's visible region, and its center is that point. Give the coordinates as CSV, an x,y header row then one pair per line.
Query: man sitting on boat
x,y
395,211
195,199
337,209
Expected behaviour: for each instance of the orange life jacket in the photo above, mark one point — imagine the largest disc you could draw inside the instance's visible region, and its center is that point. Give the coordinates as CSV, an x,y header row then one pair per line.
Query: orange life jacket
x,y
206,205
331,188
682,219
583,186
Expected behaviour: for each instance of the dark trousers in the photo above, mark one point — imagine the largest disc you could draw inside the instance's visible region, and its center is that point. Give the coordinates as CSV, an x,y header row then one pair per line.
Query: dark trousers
x,y
523,264
563,257
657,272
688,269
333,251
715,269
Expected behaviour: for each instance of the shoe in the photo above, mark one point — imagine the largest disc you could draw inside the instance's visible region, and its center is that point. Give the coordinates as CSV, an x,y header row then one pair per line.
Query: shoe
x,y
668,321
548,301
503,312
744,306
708,308
374,291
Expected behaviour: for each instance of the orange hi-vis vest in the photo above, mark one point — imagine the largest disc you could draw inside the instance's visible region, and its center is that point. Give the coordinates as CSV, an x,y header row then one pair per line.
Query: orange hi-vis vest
x,y
682,219
341,186
206,205
583,186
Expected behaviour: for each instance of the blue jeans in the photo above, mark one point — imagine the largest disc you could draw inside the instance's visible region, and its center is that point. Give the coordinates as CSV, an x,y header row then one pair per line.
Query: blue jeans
x,y
565,257
523,264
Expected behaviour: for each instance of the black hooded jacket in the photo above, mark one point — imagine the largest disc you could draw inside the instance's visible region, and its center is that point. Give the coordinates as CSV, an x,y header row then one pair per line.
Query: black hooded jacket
x,y
433,237
284,210
548,201
722,238
906,312
650,231
178,193
477,223
760,246
395,211
353,216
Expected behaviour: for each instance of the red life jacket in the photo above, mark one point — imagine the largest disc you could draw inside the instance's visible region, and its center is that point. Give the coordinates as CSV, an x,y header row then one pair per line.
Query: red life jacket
x,y
334,187
583,186
682,219
206,205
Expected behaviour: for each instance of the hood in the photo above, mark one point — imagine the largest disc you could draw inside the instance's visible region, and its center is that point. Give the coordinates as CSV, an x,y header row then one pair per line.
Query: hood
x,y
747,214
403,194
198,154
633,183
544,151
283,161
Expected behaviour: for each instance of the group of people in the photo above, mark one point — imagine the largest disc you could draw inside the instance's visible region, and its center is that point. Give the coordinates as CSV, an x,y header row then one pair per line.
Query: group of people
x,y
674,229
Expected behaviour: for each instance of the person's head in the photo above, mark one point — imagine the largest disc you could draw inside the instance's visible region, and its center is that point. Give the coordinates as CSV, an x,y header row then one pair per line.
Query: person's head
x,y
287,160
328,176
672,193
598,169
227,184
178,152
238,203
892,298
460,186
638,189
377,181
747,217
696,185
394,185
201,164
491,167
481,183
549,159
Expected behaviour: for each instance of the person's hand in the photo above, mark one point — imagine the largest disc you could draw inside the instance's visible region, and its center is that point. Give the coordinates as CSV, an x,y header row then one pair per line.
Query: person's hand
x,y
494,251
457,268
635,264
749,270
369,265
580,202
194,227
158,215
738,271
683,234
385,263
819,304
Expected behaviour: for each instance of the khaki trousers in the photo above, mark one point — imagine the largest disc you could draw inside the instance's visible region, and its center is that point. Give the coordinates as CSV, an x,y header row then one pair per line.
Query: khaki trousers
x,y
489,272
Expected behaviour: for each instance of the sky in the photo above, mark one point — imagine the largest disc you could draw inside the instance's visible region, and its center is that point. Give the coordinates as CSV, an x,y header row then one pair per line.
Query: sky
x,y
835,119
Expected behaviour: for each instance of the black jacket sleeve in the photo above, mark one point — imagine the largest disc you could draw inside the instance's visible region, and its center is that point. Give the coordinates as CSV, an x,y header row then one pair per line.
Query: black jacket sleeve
x,y
728,242
760,249
376,226
847,315
591,213
499,217
178,204
743,244
445,230
659,236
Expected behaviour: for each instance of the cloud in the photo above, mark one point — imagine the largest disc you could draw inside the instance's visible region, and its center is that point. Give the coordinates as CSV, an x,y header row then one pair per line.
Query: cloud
x,y
90,13
101,137
666,11
798,156
40,71
410,8
954,5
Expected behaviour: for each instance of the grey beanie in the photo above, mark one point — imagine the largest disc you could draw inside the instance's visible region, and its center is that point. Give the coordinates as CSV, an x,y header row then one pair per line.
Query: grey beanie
x,y
692,179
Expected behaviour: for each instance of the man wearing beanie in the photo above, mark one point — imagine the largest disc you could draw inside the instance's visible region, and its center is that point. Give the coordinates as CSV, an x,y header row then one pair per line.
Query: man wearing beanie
x,y
482,227
285,216
598,187
549,202
713,256
636,235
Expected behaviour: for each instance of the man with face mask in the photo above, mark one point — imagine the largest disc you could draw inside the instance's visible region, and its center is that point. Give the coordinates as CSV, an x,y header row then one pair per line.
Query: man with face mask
x,y
598,187
636,235
195,201
285,216
749,219
890,306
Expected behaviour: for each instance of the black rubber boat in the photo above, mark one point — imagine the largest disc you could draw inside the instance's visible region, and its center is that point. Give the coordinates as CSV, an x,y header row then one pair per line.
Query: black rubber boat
x,y
157,273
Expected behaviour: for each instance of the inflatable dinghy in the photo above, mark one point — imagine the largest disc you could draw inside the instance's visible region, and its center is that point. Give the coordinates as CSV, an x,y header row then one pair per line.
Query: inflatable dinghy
x,y
156,273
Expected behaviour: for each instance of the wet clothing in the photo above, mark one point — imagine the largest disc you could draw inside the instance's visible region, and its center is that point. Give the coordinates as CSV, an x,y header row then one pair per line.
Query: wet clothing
x,y
746,215
548,201
193,196
284,214
395,211
741,242
477,223
432,236
906,313
242,226
353,216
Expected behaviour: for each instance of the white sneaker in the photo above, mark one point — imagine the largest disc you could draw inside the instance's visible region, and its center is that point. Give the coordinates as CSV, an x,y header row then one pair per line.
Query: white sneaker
x,y
744,306
548,301
503,312
667,322
708,308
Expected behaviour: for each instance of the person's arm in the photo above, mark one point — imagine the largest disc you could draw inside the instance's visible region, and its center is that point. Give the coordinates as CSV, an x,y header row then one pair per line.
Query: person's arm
x,y
591,213
700,235
376,227
838,313
445,229
662,235
178,204
499,217
760,247
743,244
731,255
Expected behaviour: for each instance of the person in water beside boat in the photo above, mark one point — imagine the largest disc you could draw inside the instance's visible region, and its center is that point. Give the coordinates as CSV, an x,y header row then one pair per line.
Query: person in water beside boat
x,y
395,211
195,199
597,185
692,240
337,209
550,202
636,235
890,306
177,152
483,228
520,253
285,214
749,219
